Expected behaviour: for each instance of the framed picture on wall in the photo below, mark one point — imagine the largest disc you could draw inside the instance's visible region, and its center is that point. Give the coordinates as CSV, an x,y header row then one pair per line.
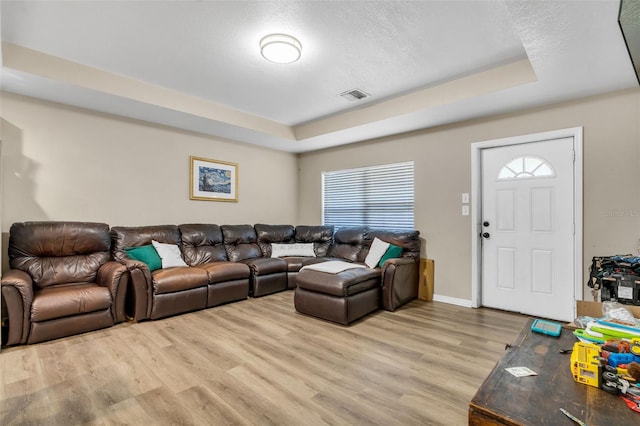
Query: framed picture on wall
x,y
213,180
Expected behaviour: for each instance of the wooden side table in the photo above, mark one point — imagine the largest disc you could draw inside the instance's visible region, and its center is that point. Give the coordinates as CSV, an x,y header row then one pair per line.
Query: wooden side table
x,y
425,285
504,399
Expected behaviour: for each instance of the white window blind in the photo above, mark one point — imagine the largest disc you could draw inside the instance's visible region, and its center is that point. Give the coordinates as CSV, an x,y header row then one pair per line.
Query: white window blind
x,y
377,196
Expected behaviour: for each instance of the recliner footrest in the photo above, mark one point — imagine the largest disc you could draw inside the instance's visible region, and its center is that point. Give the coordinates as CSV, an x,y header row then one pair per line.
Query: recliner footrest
x,y
343,297
345,283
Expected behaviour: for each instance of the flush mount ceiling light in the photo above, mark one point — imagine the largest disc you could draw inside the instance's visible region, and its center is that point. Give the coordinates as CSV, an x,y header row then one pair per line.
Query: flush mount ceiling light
x,y
280,48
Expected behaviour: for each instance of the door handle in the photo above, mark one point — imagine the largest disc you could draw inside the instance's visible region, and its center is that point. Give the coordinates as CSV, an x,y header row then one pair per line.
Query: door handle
x,y
486,235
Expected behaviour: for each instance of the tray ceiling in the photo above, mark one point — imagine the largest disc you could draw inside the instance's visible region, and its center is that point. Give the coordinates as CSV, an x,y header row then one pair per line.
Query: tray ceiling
x,y
197,65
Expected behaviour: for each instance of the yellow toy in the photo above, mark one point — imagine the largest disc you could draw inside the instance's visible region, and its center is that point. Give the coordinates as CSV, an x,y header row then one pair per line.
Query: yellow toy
x,y
585,364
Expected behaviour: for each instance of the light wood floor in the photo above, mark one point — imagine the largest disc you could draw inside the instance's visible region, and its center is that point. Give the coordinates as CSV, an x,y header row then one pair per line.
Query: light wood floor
x,y
258,362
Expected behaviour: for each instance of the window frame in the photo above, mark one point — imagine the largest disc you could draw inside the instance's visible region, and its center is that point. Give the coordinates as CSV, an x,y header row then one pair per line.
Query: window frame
x,y
366,177
525,173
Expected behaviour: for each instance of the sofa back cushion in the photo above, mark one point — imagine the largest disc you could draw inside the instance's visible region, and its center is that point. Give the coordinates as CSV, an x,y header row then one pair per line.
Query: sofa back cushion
x,y
59,252
240,242
202,243
408,240
136,236
269,234
321,237
349,244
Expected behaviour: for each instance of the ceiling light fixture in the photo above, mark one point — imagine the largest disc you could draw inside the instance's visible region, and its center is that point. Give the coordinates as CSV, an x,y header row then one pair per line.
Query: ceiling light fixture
x,y
280,48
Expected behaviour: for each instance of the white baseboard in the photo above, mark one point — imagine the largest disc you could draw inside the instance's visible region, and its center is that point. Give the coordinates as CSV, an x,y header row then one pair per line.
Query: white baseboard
x,y
452,300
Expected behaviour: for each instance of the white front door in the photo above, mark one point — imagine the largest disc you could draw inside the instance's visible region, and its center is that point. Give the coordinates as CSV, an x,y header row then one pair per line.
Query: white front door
x,y
527,227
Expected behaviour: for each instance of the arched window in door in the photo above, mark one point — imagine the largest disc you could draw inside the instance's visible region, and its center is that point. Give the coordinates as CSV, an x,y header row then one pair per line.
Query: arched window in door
x,y
526,168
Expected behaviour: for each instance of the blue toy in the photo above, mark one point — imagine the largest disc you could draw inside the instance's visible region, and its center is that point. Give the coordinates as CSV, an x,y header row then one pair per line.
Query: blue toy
x,y
615,360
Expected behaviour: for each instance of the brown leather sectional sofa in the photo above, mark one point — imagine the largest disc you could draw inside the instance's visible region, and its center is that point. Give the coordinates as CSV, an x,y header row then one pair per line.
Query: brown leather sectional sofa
x,y
54,263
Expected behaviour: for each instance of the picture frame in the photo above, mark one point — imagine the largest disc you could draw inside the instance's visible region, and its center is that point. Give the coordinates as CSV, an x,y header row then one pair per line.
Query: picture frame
x,y
213,180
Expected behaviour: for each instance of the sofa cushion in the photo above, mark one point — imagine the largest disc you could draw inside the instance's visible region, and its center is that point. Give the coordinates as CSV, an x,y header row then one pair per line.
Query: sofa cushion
x,y
134,236
178,279
146,254
313,260
240,242
202,243
59,252
349,244
266,265
169,253
376,251
67,300
225,271
321,237
269,234
294,263
408,240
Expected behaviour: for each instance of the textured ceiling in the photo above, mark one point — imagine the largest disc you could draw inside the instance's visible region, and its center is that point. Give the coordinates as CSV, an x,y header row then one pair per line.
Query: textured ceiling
x,y
196,65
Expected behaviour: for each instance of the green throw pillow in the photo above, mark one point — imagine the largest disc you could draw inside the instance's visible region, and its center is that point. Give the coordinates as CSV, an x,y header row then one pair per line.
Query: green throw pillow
x,y
146,254
391,253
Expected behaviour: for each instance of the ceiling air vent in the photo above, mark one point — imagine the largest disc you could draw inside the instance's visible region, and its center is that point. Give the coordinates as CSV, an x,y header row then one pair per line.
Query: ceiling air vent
x,y
354,95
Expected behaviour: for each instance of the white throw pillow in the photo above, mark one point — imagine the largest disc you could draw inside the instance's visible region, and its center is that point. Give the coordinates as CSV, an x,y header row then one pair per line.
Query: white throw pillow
x,y
296,249
376,251
169,253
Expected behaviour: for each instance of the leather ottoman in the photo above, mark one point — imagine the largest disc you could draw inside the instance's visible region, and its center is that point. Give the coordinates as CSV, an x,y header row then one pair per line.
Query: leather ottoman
x,y
341,297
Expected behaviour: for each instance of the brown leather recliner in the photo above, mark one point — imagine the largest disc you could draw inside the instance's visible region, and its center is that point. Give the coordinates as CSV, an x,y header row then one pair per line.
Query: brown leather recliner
x,y
268,275
165,291
61,281
203,247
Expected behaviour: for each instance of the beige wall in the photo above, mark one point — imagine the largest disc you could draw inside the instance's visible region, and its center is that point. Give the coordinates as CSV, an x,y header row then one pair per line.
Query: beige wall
x,y
443,171
63,163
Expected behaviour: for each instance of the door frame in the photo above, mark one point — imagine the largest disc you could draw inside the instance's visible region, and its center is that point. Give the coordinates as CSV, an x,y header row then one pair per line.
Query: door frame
x,y
476,204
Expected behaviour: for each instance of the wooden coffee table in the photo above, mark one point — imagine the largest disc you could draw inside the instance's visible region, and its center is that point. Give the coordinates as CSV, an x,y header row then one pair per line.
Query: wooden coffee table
x,y
504,399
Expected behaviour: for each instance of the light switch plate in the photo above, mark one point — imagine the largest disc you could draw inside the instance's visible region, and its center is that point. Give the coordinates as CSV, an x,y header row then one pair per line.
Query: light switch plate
x,y
465,197
465,210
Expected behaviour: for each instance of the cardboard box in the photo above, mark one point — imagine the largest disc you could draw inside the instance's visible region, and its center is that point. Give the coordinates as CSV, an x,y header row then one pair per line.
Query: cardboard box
x,y
594,309
427,273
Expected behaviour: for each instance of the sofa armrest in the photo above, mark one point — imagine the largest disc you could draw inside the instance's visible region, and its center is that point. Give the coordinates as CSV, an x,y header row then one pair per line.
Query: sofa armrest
x,y
399,282
141,282
132,264
17,292
115,276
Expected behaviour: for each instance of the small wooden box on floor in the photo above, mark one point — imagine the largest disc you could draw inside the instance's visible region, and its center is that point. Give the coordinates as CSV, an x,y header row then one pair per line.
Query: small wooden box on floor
x,y
427,273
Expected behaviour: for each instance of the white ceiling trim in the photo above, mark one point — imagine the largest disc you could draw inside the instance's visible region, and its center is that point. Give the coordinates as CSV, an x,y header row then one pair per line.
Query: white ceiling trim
x,y
493,80
31,62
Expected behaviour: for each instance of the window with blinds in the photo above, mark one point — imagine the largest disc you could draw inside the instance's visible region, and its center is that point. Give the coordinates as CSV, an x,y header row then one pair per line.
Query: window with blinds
x,y
376,196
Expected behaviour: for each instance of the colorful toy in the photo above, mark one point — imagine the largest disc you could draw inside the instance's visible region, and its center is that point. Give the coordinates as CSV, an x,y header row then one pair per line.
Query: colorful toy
x,y
585,363
634,348
607,356
615,360
633,370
